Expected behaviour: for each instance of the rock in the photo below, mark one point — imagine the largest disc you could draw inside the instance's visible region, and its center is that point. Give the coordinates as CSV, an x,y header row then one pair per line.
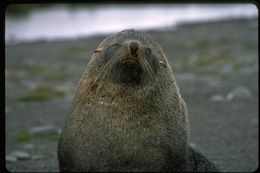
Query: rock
x,y
21,155
254,120
28,146
247,71
31,85
214,82
59,130
239,93
226,69
10,158
43,130
7,109
21,104
193,145
36,157
217,98
6,73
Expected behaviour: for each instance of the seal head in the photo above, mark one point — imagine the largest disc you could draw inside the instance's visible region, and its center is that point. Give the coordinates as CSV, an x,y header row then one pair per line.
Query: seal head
x,y
127,60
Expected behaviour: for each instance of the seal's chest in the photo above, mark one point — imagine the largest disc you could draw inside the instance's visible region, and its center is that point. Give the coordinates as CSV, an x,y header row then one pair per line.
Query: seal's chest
x,y
135,135
134,151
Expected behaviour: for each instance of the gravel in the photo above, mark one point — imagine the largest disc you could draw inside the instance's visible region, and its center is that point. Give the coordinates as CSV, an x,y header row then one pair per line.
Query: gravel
x,y
225,67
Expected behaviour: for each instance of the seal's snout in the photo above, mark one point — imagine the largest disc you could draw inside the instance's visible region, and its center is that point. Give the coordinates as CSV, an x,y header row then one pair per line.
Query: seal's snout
x,y
134,46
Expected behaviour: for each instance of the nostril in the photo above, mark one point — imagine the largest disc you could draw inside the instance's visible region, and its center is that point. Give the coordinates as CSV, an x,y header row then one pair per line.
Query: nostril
x,y
134,46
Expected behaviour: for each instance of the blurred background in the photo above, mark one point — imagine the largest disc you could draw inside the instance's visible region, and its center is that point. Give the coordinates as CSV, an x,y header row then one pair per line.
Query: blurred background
x,y
34,22
212,48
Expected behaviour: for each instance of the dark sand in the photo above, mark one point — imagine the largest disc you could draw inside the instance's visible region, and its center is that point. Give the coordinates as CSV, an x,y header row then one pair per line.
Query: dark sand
x,y
207,59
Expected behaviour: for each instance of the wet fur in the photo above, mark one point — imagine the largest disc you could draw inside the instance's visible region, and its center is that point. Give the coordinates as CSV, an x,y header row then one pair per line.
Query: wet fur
x,y
139,125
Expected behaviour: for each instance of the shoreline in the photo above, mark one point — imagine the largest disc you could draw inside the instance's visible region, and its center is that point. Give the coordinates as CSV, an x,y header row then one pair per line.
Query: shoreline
x,y
171,28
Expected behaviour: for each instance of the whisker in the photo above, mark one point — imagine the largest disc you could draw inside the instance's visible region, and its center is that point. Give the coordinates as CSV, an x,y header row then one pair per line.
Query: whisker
x,y
101,71
106,70
152,74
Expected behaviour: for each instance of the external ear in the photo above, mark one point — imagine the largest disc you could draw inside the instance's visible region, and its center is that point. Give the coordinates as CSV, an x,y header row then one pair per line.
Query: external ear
x,y
163,63
98,50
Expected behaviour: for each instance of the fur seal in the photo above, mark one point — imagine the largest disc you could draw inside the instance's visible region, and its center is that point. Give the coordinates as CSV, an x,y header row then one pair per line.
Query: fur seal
x,y
128,113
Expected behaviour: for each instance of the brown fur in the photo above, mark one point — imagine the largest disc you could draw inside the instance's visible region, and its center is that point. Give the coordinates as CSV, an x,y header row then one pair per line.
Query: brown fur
x,y
138,125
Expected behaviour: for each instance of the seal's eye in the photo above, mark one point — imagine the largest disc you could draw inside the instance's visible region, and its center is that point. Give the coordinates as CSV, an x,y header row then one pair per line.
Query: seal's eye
x,y
116,44
98,50
110,51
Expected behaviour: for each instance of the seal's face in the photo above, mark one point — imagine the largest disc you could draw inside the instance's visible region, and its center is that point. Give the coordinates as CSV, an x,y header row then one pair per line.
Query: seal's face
x,y
127,58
